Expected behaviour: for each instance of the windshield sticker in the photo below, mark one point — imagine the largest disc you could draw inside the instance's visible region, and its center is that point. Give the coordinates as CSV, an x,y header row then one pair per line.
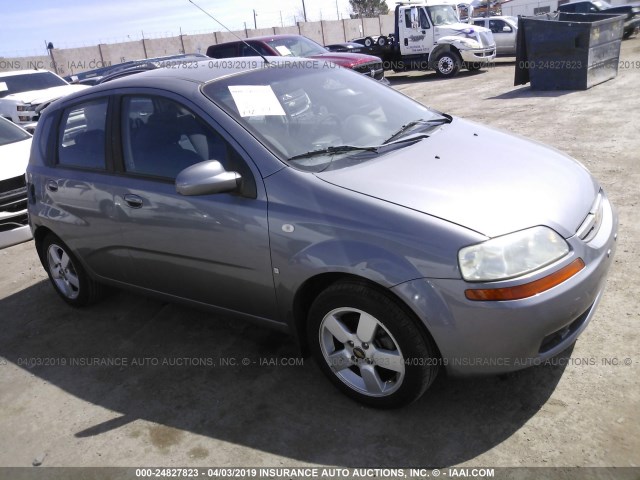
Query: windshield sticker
x,y
255,100
3,87
284,51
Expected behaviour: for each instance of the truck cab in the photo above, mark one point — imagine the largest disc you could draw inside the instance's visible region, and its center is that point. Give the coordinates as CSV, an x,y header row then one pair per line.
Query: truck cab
x,y
429,35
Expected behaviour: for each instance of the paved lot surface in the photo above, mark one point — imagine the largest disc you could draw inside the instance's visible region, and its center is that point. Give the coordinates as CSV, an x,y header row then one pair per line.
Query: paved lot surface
x,y
580,411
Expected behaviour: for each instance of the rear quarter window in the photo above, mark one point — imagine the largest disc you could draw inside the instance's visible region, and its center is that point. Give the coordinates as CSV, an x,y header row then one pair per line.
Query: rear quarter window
x,y
82,136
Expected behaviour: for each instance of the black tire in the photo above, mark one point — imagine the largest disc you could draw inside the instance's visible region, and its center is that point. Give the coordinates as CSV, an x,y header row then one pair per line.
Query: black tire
x,y
396,338
368,42
448,64
70,280
382,41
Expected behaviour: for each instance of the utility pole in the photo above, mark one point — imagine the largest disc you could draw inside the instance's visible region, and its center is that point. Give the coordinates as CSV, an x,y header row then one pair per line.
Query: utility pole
x,y
304,11
281,22
337,11
255,22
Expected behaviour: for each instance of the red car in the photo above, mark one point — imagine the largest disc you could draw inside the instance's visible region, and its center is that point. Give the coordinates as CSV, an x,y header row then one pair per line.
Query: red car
x,y
298,46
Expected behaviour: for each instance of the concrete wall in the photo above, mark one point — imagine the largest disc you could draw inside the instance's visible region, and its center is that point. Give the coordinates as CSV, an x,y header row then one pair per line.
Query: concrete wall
x,y
160,47
74,60
387,24
312,30
261,32
333,32
114,53
293,30
26,63
198,43
222,37
371,26
353,28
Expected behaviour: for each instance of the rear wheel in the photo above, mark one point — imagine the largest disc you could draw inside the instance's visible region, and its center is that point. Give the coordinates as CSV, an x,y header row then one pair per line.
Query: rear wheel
x,y
368,42
448,64
67,275
382,41
369,347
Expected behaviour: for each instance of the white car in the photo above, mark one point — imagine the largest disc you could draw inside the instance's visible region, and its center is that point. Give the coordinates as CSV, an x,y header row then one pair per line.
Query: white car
x,y
22,93
15,145
505,31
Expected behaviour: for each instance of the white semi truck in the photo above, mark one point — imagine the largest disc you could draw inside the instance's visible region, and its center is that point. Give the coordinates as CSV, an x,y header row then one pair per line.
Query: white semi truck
x,y
429,36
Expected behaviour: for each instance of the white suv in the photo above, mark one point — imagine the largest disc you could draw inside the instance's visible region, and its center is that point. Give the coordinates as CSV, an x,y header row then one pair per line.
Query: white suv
x,y
23,91
15,145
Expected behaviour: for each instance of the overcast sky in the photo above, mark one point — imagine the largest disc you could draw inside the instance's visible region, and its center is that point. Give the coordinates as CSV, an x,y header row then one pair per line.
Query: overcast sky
x,y
26,24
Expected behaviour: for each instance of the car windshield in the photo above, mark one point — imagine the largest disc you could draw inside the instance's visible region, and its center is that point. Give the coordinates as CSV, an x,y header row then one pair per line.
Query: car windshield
x,y
27,82
10,133
442,15
315,111
296,47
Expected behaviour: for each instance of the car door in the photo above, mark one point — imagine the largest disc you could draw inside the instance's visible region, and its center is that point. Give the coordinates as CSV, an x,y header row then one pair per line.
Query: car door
x,y
504,35
79,188
415,31
212,249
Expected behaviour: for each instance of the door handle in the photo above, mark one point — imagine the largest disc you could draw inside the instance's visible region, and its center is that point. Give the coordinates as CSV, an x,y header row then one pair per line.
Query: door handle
x,y
134,201
52,185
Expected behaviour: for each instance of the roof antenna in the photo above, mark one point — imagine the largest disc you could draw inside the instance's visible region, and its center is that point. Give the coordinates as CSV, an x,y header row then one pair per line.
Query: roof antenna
x,y
241,39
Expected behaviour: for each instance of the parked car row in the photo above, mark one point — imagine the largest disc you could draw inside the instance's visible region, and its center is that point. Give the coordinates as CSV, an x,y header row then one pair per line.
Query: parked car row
x,y
631,12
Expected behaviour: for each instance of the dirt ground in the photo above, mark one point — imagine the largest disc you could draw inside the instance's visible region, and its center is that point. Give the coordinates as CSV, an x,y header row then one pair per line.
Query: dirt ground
x,y
584,410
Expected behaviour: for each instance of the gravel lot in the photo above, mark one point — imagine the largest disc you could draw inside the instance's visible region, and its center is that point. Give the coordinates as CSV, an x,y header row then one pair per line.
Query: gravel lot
x,y
583,410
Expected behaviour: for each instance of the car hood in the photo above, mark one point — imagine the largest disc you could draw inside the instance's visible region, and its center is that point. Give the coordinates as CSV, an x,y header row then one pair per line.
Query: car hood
x,y
14,158
45,95
465,30
488,181
345,59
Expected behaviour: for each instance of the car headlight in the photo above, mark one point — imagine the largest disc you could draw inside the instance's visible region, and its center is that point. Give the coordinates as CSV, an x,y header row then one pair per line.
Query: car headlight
x,y
511,255
23,108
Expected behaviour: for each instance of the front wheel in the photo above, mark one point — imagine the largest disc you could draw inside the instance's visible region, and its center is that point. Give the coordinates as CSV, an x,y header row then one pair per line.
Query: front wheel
x,y
67,275
369,347
368,42
448,64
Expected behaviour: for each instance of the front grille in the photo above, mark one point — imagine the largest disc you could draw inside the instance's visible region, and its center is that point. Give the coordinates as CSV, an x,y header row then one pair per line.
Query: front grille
x,y
591,224
11,184
14,204
373,69
14,222
486,39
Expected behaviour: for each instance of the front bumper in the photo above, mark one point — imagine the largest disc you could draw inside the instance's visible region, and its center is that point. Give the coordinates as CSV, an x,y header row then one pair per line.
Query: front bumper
x,y
495,337
481,55
15,236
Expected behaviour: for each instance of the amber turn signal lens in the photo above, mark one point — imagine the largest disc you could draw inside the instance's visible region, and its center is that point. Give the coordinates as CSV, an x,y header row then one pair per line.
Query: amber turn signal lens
x,y
528,289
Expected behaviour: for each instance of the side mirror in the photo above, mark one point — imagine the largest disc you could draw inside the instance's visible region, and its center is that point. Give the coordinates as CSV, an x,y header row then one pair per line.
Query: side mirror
x,y
506,29
206,178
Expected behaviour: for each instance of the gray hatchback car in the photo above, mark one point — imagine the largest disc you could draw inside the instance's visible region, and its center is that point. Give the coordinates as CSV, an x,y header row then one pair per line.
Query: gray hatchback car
x,y
315,200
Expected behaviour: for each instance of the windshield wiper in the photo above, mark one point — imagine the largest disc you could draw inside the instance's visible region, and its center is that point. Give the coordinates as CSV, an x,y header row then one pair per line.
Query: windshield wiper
x,y
333,150
405,128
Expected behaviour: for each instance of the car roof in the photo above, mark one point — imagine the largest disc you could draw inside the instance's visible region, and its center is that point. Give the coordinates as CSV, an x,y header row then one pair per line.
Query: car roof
x,y
179,79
